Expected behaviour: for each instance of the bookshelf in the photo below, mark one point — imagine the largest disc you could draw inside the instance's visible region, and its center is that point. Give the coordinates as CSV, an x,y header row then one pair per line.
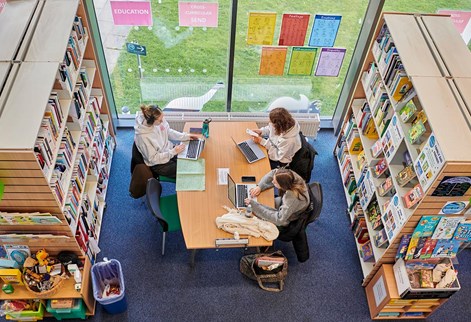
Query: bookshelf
x,y
56,132
437,83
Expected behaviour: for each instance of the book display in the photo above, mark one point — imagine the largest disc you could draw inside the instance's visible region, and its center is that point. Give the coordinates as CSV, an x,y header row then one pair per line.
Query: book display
x,y
56,141
418,165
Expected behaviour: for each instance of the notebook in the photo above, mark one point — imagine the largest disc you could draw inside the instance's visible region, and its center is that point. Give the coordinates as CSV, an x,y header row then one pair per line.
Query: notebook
x,y
250,150
193,149
238,192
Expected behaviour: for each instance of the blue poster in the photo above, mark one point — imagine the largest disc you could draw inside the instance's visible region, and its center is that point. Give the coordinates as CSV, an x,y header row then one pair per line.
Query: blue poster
x,y
324,30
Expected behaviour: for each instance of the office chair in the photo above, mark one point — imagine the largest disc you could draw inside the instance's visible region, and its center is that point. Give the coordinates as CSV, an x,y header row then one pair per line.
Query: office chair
x,y
296,230
137,158
165,209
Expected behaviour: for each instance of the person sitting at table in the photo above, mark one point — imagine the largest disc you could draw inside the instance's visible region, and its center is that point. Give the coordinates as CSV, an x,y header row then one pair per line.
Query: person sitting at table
x,y
283,137
293,199
152,137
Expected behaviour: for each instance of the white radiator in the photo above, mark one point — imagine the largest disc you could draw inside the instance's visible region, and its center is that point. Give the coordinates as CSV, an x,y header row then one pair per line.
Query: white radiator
x,y
310,123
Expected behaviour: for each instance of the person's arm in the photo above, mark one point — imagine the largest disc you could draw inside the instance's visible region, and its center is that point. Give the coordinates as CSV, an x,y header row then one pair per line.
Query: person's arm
x,y
280,216
152,154
267,181
178,136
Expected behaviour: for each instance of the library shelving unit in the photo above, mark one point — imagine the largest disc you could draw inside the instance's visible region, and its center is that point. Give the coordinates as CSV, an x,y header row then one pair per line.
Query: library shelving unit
x,y
405,131
56,133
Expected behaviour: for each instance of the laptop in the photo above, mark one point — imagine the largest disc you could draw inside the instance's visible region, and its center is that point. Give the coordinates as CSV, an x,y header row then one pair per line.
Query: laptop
x,y
237,193
250,150
193,149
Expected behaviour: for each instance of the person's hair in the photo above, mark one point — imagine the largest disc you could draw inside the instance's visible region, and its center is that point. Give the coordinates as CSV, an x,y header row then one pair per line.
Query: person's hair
x,y
281,119
288,181
151,113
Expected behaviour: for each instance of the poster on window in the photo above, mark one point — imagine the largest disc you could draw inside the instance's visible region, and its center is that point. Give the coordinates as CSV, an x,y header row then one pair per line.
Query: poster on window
x,y
198,14
273,60
261,29
324,30
302,61
330,61
293,29
131,13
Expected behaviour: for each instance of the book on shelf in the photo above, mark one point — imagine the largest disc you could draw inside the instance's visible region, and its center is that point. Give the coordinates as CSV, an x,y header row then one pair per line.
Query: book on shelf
x,y
446,248
415,132
400,85
403,245
381,239
463,232
407,159
405,175
446,227
413,196
380,168
386,187
408,111
426,226
376,148
428,248
411,248
366,251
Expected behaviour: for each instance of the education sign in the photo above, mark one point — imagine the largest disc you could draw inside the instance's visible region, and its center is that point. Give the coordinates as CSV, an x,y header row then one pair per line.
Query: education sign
x,y
131,13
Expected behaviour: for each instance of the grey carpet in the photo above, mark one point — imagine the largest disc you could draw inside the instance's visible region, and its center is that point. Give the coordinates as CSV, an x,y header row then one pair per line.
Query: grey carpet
x,y
325,288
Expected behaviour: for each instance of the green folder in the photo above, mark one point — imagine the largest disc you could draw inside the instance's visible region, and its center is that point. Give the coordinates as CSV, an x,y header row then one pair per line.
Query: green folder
x,y
190,175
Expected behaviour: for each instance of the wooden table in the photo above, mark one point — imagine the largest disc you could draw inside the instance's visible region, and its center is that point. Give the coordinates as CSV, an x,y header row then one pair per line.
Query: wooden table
x,y
199,209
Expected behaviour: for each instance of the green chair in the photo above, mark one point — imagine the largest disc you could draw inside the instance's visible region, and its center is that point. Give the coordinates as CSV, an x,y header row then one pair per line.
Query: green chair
x,y
165,209
167,179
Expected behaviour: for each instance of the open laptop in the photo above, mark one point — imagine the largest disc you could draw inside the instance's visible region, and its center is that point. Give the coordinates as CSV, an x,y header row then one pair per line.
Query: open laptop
x,y
193,149
250,150
238,192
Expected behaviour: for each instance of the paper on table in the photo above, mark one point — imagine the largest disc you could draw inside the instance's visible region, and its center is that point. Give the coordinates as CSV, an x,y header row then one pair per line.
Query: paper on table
x,y
222,176
190,175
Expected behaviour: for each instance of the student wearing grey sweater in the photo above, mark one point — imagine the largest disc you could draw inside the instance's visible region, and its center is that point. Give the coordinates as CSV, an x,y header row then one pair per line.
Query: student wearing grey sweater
x,y
293,200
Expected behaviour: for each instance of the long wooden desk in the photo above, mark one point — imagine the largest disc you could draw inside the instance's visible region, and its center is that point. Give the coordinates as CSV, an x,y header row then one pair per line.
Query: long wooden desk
x,y
199,209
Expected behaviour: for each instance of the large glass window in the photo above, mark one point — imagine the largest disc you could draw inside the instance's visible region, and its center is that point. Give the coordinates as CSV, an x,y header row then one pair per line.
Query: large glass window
x,y
187,67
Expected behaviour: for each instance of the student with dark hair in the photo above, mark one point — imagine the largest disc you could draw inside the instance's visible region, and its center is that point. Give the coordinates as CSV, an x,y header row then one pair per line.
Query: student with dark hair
x,y
293,199
283,137
152,137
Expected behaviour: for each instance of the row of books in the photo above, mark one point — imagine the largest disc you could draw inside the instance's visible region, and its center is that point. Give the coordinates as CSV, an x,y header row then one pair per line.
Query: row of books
x,y
34,218
365,122
79,103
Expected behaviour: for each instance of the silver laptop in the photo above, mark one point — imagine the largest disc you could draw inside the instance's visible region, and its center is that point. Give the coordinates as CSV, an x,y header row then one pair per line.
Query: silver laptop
x,y
193,149
250,150
237,193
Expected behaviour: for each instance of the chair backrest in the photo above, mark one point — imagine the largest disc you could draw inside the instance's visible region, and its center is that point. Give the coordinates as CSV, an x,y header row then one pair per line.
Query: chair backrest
x,y
136,157
315,194
153,192
303,160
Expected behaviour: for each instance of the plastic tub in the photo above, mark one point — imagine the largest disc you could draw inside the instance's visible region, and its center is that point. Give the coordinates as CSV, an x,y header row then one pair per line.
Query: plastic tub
x,y
105,273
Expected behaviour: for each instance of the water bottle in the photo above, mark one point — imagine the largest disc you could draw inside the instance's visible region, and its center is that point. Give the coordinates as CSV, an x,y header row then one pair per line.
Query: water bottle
x,y
205,130
248,211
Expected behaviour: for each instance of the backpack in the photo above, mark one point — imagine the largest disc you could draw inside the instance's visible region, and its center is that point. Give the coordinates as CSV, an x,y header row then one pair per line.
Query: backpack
x,y
303,160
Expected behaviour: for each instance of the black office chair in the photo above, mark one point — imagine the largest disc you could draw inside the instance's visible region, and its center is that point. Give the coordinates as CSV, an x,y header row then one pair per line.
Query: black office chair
x,y
137,158
165,209
296,230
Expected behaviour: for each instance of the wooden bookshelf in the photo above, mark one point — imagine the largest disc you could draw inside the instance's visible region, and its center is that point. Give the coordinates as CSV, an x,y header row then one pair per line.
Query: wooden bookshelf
x,y
433,57
56,132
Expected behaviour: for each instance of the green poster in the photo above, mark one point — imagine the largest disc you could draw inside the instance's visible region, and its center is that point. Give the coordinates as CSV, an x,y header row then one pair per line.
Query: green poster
x,y
302,61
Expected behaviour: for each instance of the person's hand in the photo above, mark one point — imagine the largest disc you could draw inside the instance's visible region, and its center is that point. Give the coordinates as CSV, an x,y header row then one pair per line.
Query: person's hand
x,y
247,201
259,132
257,139
193,137
179,148
255,191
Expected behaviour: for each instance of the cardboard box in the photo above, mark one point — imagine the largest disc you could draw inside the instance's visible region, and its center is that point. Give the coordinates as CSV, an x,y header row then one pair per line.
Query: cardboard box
x,y
406,291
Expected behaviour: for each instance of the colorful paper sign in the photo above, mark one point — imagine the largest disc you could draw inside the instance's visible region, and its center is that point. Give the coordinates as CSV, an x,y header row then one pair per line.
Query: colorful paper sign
x,y
272,61
324,30
293,29
453,207
261,29
302,61
131,13
330,61
429,162
198,14
2,4
452,187
462,22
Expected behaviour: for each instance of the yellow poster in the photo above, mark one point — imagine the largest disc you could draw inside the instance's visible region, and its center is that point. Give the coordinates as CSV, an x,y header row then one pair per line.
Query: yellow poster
x,y
302,61
261,29
273,61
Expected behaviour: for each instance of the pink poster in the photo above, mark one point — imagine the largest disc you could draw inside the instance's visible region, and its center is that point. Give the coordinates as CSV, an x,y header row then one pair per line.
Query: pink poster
x,y
293,29
198,14
460,18
2,4
131,13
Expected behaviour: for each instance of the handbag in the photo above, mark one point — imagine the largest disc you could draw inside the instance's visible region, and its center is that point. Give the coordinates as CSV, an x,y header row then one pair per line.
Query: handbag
x,y
266,268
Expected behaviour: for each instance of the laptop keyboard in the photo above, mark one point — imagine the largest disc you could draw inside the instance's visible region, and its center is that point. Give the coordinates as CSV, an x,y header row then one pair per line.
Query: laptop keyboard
x,y
242,194
248,151
192,149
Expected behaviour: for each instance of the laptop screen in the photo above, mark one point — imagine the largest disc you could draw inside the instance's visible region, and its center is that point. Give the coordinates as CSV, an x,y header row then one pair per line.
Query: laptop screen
x,y
231,190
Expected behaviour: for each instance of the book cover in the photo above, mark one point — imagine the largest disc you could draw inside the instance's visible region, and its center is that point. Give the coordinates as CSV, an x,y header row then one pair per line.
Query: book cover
x,y
416,131
367,251
403,245
428,248
446,248
413,196
408,111
406,175
412,247
18,253
401,87
463,232
446,227
426,226
420,247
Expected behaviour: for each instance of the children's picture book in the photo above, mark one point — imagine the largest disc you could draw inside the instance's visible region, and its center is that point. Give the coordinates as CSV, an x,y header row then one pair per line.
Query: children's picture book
x,y
413,196
463,232
367,251
428,248
376,149
412,247
18,253
446,227
426,226
420,247
416,131
408,111
405,175
403,245
454,207
446,248
380,167
385,187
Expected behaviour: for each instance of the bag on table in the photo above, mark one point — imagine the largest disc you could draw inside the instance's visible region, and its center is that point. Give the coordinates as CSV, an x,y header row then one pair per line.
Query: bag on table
x,y
266,268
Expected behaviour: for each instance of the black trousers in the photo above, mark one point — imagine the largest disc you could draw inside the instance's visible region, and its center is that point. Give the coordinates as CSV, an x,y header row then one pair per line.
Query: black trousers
x,y
276,164
168,169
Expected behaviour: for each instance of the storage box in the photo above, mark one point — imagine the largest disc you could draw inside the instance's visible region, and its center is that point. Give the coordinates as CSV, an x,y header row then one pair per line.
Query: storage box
x,y
27,315
75,312
406,291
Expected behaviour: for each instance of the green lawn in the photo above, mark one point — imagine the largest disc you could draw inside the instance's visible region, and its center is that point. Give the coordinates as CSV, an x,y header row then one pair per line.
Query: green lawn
x,y
183,61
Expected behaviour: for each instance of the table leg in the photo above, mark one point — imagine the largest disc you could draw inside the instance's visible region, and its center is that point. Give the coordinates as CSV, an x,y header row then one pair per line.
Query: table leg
x,y
192,257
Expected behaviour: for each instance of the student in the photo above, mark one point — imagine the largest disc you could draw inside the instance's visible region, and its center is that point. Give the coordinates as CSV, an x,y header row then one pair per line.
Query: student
x,y
283,137
152,134
293,200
